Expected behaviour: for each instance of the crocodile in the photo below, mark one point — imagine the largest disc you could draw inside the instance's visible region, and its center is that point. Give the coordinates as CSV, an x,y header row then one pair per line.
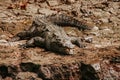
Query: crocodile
x,y
47,32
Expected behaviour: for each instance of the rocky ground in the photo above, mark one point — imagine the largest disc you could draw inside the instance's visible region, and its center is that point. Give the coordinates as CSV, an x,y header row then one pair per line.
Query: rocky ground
x,y
102,54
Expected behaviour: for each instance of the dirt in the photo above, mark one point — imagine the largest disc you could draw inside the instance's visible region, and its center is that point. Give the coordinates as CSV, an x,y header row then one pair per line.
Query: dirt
x,y
102,53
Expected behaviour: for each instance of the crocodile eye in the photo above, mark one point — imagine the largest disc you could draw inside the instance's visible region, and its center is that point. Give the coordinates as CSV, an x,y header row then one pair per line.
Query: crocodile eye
x,y
68,44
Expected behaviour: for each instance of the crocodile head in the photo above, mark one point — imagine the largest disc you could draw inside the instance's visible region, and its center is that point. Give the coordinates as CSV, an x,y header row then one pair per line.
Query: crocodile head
x,y
69,47
63,47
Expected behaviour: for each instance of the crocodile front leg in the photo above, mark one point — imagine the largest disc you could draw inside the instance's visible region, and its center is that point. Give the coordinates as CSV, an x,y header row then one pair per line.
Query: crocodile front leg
x,y
35,41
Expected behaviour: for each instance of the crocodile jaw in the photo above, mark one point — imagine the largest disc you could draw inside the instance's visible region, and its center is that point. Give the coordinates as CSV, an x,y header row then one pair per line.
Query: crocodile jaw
x,y
70,51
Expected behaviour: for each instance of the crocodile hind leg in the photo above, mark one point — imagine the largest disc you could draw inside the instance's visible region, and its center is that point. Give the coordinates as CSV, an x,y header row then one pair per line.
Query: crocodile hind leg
x,y
35,41
25,34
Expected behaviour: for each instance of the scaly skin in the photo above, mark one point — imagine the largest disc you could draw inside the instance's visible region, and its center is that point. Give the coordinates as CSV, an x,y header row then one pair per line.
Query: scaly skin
x,y
47,32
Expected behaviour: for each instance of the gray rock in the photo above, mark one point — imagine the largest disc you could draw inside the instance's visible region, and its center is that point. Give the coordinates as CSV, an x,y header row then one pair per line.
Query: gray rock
x,y
53,2
104,20
32,8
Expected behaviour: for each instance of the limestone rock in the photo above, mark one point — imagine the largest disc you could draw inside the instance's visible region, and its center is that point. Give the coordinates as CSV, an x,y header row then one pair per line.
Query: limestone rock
x,y
53,2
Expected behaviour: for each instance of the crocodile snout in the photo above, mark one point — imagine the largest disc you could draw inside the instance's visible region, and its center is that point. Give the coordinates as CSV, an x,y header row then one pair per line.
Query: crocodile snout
x,y
68,44
70,51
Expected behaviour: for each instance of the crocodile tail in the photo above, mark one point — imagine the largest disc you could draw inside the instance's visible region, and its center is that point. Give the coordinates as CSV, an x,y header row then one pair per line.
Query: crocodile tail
x,y
65,20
